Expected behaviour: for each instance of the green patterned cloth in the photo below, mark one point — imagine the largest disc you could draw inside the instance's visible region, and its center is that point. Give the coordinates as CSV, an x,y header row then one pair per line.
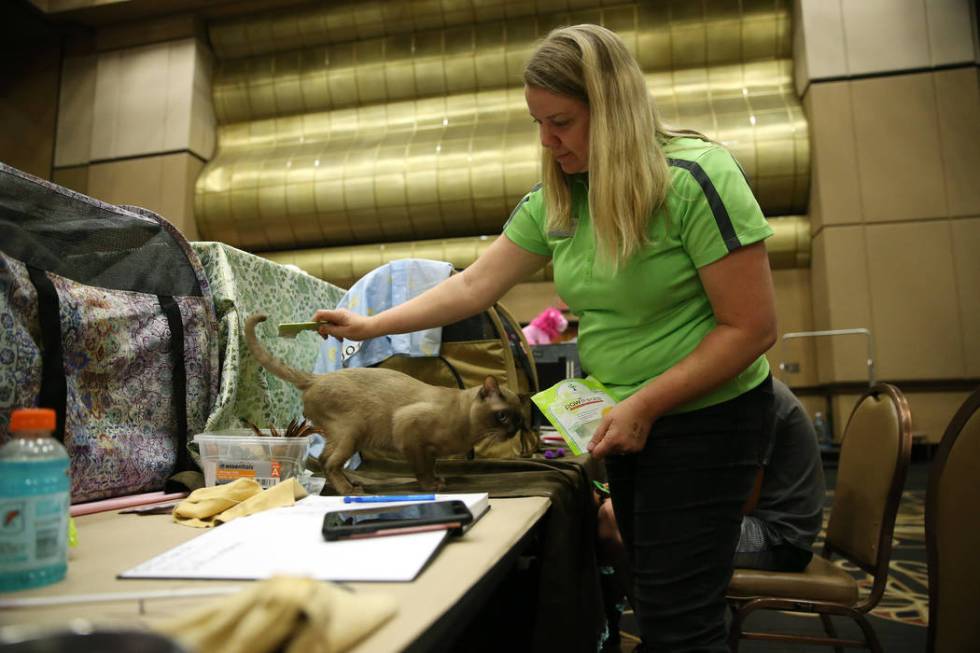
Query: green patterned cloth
x,y
243,284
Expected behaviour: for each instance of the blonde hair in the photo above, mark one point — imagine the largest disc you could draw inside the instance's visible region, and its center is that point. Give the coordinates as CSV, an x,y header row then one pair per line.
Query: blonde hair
x,y
628,174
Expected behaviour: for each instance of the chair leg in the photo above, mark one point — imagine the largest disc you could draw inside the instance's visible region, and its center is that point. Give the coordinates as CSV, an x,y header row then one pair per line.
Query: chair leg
x,y
869,633
828,627
735,629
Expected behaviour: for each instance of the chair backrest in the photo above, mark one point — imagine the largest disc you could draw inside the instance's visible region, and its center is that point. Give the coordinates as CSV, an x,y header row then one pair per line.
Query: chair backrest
x,y
874,460
953,533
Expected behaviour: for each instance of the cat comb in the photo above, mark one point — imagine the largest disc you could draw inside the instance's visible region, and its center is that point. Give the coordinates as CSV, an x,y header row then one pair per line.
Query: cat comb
x,y
292,329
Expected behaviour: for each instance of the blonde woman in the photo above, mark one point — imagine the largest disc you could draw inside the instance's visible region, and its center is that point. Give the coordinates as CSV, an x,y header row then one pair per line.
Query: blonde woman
x,y
657,245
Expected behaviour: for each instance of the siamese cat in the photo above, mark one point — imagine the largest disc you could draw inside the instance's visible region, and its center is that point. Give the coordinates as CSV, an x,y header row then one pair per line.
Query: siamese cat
x,y
384,410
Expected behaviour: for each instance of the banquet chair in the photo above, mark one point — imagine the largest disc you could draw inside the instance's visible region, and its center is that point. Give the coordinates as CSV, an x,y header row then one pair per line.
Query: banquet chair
x,y
874,459
953,534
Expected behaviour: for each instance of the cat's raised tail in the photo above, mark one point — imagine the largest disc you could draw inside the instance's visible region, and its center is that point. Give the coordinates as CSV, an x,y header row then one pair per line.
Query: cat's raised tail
x,y
299,378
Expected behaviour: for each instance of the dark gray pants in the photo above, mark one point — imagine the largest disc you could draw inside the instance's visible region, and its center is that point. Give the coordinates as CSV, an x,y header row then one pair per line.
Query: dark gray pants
x,y
679,508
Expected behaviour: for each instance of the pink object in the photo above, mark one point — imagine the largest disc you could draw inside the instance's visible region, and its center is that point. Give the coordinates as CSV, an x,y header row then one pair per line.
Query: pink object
x,y
117,503
546,327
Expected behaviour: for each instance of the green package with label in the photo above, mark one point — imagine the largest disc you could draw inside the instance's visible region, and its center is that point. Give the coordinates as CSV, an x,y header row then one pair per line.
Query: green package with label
x,y
575,407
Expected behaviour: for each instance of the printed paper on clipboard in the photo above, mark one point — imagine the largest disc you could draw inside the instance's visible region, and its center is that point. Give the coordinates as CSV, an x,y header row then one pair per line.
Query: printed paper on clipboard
x,y
575,407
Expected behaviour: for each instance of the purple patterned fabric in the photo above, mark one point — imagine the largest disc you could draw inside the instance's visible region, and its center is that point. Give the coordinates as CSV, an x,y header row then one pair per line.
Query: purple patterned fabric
x,y
117,364
20,356
120,421
108,265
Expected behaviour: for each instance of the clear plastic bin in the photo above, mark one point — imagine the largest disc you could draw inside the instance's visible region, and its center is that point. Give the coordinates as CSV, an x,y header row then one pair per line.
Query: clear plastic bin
x,y
227,457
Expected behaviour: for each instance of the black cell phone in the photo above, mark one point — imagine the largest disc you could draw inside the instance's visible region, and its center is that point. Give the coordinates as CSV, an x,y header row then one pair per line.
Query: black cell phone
x,y
395,520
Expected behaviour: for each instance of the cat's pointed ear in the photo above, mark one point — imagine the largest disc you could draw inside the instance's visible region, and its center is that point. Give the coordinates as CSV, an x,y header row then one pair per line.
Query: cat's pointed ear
x,y
490,387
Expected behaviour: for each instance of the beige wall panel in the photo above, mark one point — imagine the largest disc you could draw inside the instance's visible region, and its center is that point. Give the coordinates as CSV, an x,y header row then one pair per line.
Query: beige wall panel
x,y
835,196
145,100
801,71
202,129
179,89
75,110
915,319
815,203
950,35
113,85
75,178
975,22
132,181
820,292
841,300
820,40
932,412
192,170
178,173
794,308
884,35
958,107
841,407
899,156
164,184
966,262
838,38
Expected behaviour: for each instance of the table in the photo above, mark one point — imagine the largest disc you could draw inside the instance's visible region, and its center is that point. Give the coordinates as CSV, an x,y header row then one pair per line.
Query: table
x,y
433,609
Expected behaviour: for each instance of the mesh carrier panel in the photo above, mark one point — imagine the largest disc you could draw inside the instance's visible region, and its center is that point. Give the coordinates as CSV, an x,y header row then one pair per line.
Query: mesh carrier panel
x,y
69,234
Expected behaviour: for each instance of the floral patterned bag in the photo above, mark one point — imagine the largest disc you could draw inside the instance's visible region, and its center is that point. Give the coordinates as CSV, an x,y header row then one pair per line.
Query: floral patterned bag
x,y
106,316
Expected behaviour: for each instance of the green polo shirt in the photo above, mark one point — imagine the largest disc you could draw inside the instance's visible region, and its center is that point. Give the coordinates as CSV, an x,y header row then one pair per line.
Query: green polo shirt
x,y
639,322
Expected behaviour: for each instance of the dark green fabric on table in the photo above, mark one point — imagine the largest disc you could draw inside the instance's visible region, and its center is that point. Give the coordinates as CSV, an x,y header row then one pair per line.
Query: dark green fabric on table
x,y
569,606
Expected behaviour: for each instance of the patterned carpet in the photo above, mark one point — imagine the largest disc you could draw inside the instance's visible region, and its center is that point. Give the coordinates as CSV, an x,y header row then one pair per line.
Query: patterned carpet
x,y
900,619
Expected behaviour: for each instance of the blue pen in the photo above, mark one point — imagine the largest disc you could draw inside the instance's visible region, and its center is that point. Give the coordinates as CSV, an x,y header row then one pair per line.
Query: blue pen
x,y
393,497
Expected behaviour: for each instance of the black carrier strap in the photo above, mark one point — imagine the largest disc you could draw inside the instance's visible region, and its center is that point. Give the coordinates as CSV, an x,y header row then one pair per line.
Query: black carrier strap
x,y
54,388
176,324
452,370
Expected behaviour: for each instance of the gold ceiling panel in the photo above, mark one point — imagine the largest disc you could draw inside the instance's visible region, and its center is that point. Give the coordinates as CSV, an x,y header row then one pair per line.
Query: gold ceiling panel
x,y
789,247
455,165
669,33
391,122
348,73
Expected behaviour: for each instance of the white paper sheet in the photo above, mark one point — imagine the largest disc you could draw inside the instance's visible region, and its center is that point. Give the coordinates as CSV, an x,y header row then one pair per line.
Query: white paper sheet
x,y
289,541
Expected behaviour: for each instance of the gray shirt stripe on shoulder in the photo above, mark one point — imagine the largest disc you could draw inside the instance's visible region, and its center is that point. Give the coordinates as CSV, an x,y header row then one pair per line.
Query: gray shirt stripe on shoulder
x,y
722,219
517,208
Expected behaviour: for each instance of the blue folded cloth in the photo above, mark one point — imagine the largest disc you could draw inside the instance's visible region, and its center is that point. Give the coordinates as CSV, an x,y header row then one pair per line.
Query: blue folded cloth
x,y
384,287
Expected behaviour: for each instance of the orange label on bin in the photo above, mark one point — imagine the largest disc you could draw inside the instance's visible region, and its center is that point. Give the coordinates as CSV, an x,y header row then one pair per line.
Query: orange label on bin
x,y
226,474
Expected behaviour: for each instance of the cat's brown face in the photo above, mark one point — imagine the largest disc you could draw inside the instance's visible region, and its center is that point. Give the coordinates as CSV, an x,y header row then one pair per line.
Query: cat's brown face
x,y
499,412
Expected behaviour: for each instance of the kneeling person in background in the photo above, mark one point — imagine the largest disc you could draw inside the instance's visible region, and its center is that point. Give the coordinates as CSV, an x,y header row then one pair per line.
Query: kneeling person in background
x,y
778,532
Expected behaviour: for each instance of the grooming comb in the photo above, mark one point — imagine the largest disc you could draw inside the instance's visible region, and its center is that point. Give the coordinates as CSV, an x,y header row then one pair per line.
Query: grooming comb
x,y
290,329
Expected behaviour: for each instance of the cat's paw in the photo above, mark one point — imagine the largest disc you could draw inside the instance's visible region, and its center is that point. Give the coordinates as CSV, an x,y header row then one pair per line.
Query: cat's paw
x,y
342,486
